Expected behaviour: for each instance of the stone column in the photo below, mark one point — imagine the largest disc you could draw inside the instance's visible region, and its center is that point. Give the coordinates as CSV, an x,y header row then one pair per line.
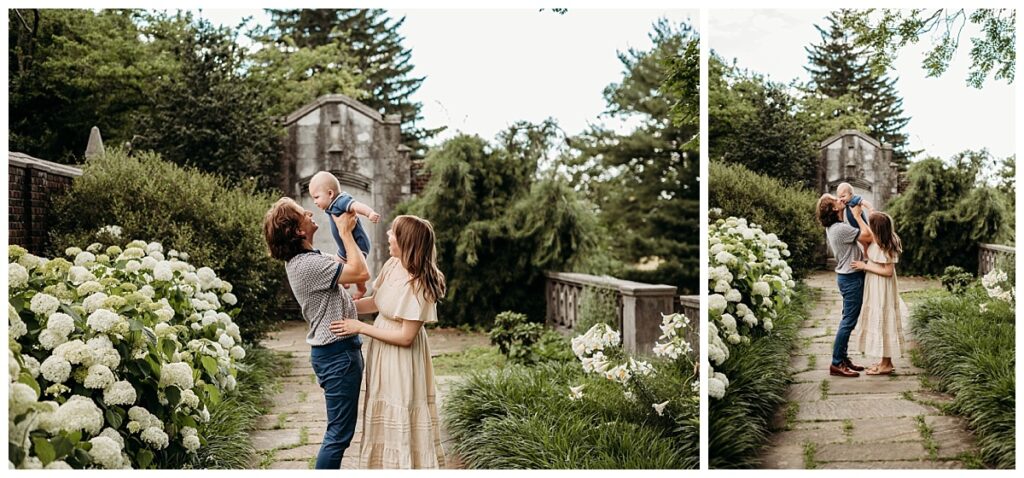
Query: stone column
x,y
642,306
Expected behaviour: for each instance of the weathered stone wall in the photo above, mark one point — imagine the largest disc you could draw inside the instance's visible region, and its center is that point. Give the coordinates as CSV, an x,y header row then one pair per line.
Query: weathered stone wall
x,y
853,157
362,149
32,183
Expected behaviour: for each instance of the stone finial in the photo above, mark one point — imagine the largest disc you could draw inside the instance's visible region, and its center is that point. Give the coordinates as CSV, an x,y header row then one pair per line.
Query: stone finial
x,y
95,146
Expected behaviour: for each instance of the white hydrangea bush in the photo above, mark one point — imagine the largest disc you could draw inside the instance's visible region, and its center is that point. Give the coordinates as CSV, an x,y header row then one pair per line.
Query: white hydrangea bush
x,y
115,355
749,280
600,353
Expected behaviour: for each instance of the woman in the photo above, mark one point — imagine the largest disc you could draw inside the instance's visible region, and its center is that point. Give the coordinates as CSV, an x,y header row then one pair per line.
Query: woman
x,y
879,330
400,425
314,279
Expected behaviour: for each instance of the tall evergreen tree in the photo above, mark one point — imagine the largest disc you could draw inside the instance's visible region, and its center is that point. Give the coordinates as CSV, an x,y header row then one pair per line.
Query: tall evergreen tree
x,y
838,67
645,181
375,51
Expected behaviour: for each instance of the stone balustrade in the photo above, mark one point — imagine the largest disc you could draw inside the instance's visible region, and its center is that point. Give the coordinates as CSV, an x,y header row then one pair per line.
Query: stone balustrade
x,y
639,307
989,254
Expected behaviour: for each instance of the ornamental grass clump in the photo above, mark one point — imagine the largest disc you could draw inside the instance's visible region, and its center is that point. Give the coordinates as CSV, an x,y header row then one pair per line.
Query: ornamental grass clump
x,y
966,342
116,355
606,410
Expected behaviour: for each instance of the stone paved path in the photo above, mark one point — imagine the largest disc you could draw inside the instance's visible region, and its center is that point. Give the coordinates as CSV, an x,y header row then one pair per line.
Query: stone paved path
x,y
289,436
868,422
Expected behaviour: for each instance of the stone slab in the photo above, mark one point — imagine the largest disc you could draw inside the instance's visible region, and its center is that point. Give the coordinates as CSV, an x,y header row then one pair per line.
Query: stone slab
x,y
811,332
289,465
875,384
803,392
783,457
913,450
303,452
263,440
879,406
892,465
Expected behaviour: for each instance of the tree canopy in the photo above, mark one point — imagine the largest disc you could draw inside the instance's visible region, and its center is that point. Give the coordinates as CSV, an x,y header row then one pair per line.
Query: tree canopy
x,y
887,31
645,182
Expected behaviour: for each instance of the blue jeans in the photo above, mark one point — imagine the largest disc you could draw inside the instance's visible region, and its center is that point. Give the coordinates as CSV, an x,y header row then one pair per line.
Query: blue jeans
x,y
339,370
851,286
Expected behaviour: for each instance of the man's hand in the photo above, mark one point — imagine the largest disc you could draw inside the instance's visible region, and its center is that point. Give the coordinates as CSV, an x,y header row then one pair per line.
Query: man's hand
x,y
346,222
374,217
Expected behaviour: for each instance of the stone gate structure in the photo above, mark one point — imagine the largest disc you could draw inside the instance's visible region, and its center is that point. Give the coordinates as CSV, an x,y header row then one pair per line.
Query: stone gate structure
x,y
853,157
362,148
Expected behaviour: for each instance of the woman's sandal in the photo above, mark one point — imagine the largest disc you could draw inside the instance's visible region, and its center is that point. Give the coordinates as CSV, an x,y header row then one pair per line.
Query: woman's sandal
x,y
875,371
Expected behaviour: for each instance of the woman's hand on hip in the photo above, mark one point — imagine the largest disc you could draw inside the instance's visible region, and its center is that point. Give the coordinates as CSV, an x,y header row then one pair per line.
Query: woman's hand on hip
x,y
346,327
858,265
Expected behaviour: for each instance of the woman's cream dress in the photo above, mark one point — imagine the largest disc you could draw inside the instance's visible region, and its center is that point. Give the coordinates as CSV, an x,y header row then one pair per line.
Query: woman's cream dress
x,y
879,331
400,425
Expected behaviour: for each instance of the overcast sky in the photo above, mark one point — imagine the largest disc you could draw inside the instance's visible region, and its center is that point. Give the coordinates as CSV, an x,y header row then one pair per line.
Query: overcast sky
x,y
486,69
947,115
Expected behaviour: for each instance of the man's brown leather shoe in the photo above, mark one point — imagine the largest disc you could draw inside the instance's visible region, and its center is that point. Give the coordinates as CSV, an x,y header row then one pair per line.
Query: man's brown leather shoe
x,y
852,366
842,371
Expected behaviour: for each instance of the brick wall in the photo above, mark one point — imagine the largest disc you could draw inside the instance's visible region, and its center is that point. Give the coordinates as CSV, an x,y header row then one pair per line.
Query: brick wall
x,y
32,185
420,176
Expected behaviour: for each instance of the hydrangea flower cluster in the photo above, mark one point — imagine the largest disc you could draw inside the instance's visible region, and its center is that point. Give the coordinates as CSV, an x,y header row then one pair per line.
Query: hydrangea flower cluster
x,y
749,280
95,332
998,286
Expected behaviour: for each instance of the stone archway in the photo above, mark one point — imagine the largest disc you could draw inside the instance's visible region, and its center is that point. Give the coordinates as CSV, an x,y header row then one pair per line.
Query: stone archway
x,y
362,148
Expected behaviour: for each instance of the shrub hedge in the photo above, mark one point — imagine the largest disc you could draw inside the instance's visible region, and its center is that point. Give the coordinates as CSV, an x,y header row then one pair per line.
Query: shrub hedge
x,y
218,224
786,211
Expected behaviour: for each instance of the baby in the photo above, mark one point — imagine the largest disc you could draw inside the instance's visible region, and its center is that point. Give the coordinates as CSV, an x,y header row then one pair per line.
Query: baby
x,y
845,194
327,195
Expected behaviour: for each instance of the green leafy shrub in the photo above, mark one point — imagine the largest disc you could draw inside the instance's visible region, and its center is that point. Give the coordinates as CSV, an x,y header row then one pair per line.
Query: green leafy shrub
x,y
499,228
966,341
525,342
955,279
218,224
943,214
784,210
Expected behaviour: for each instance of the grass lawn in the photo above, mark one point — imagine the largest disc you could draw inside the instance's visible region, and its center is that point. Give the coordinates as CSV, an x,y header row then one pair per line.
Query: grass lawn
x,y
473,359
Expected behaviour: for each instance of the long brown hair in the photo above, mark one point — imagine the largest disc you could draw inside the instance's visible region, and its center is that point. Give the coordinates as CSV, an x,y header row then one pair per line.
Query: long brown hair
x,y
415,238
281,230
885,234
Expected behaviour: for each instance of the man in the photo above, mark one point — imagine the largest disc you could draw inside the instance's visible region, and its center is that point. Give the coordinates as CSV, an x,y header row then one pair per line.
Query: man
x,y
314,279
845,242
